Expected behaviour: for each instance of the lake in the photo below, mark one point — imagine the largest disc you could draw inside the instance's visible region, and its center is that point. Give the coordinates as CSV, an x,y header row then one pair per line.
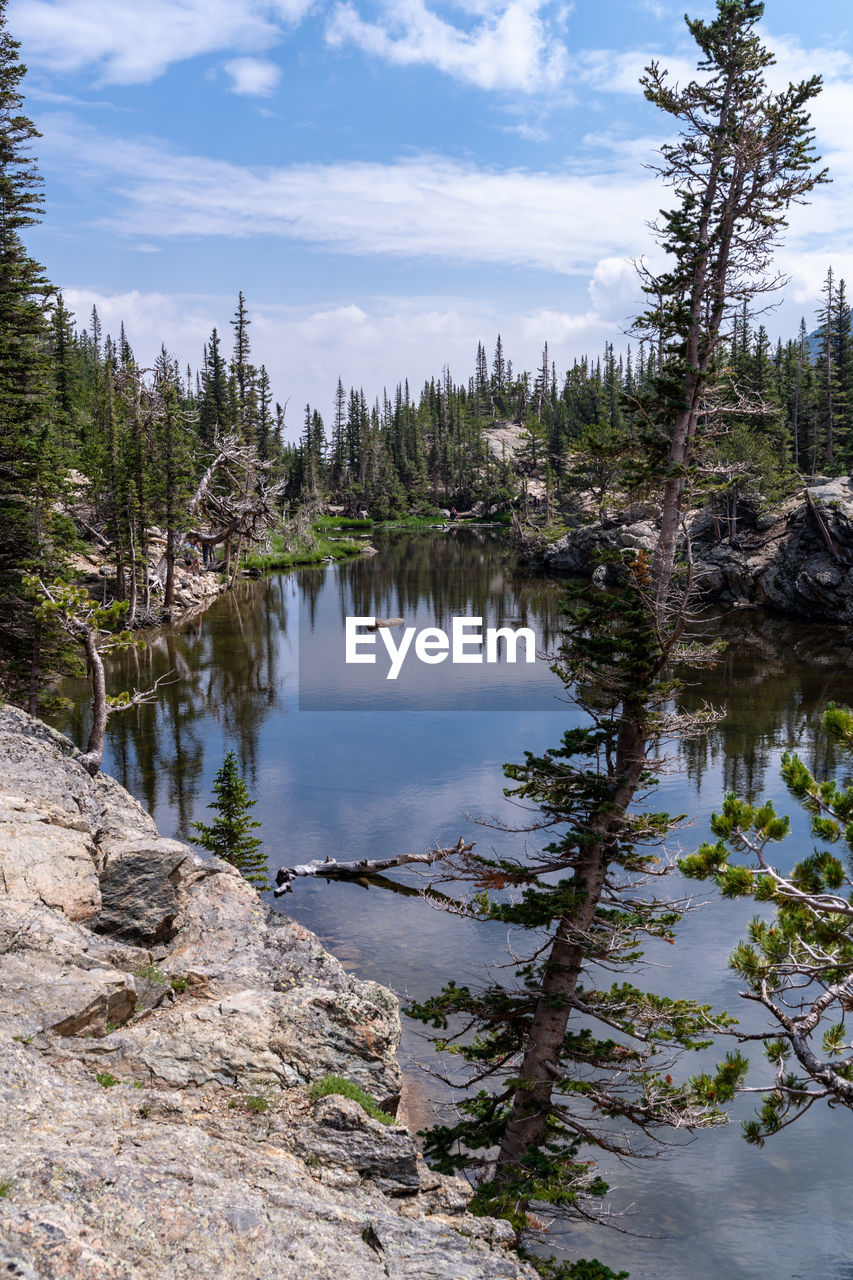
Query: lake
x,y
385,776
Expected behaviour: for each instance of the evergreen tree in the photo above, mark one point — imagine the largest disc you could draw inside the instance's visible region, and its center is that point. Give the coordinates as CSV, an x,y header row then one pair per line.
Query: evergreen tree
x,y
844,368
743,156
570,1064
32,463
798,963
243,372
264,427
555,1083
827,370
174,455
229,835
214,408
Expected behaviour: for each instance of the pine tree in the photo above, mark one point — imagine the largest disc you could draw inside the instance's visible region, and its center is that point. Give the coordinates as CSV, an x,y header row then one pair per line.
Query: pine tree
x,y
172,480
798,963
827,368
229,835
743,156
214,407
243,371
552,1083
32,462
265,421
561,1057
498,369
844,369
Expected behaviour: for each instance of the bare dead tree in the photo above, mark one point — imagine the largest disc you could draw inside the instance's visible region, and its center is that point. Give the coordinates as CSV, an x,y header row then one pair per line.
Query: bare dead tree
x,y
91,626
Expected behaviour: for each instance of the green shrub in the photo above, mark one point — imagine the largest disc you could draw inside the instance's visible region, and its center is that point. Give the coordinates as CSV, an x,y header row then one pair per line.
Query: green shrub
x,y
259,1102
150,973
330,1085
105,1079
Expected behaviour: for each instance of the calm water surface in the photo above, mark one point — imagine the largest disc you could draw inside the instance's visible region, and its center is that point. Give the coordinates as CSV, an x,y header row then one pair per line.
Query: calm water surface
x,y
354,784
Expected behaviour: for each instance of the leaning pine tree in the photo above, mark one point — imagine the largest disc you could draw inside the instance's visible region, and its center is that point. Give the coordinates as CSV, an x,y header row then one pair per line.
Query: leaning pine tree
x,y
229,835
560,1063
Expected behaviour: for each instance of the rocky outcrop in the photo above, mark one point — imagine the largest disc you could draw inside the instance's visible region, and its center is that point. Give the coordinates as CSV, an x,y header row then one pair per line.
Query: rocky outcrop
x,y
160,1029
796,559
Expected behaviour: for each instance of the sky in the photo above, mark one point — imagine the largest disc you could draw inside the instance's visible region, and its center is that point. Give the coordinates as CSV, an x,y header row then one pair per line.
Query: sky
x,y
388,183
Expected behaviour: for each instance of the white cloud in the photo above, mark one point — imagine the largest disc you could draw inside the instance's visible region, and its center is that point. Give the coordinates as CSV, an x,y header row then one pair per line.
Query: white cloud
x,y
530,132
511,48
373,343
615,290
610,71
133,43
426,207
257,77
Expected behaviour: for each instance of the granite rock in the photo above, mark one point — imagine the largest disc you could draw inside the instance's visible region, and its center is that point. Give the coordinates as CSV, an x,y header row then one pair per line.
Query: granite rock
x,y
158,1028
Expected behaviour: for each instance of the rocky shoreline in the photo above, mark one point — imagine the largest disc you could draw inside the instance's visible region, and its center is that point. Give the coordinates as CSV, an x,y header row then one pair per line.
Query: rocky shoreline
x,y
161,1028
795,559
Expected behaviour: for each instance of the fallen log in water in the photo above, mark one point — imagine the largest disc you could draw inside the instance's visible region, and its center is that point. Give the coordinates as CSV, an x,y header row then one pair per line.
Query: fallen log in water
x,y
333,870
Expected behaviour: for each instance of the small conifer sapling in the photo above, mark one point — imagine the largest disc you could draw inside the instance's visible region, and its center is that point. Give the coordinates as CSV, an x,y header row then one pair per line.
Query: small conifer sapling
x,y
229,836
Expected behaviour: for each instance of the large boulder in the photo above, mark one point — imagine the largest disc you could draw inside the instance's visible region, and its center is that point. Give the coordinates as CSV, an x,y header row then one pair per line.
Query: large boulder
x,y
343,1134
139,886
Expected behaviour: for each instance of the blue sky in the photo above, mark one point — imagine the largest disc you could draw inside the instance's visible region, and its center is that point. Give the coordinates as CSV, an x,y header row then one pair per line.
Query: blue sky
x,y
388,183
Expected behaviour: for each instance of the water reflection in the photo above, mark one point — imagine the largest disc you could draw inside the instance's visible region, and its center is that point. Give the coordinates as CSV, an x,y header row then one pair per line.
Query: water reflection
x,y
427,582
774,679
223,672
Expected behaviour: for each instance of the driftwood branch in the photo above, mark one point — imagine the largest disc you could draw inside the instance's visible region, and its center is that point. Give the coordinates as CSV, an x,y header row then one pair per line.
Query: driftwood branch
x,y
334,870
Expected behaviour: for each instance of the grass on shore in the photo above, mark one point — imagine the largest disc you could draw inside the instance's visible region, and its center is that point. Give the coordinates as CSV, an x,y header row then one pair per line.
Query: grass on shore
x,y
323,549
415,522
340,522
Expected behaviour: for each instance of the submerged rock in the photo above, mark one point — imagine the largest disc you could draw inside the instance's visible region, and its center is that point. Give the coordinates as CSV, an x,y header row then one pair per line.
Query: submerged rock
x,y
159,1026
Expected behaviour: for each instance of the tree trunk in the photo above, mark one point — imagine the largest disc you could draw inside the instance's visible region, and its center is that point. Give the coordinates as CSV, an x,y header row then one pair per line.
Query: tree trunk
x,y
540,1068
169,591
131,613
330,868
236,562
94,753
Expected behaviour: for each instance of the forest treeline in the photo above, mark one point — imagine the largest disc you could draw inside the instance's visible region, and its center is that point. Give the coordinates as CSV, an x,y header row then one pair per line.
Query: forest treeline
x,y
98,448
